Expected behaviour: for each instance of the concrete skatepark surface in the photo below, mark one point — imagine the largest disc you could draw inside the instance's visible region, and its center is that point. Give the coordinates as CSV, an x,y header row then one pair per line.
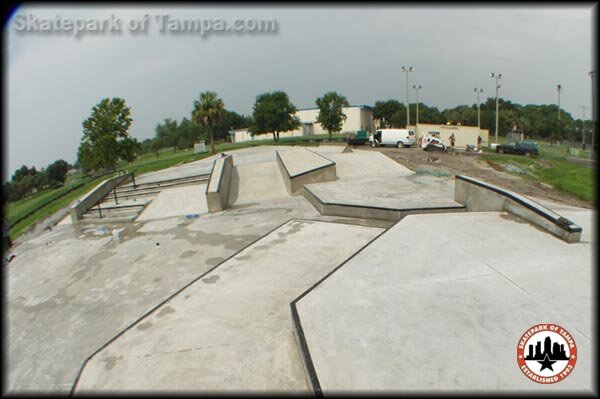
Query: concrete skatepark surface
x,y
76,293
231,330
429,326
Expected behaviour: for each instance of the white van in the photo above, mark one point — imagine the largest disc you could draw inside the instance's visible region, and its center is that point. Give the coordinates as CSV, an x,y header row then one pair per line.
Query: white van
x,y
397,137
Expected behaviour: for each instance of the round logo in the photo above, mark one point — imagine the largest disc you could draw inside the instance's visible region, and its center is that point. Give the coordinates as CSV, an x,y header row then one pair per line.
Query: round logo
x,y
546,353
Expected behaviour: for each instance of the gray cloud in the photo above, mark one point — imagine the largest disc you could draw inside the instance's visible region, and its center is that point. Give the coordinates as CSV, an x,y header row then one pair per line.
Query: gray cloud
x,y
54,80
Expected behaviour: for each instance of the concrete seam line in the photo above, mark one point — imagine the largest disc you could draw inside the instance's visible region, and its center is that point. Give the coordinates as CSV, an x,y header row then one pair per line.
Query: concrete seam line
x,y
509,195
304,350
152,310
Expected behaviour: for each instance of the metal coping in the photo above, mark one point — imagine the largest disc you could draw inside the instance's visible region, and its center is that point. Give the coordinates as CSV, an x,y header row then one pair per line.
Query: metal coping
x,y
158,182
210,175
561,222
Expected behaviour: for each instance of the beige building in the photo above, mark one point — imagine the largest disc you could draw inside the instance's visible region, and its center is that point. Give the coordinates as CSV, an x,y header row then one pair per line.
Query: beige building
x,y
359,117
242,135
465,135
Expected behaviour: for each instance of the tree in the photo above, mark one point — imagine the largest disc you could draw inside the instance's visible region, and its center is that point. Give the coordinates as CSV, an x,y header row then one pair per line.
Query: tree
x,y
273,113
230,120
22,172
384,110
208,110
57,170
129,149
331,115
166,134
188,132
104,134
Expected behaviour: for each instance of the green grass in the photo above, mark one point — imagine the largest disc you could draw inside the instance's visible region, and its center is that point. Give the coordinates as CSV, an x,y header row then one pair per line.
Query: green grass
x,y
18,209
49,209
143,164
565,176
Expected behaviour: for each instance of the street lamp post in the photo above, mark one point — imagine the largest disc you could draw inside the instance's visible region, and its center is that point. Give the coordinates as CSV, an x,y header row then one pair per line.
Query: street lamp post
x,y
583,108
478,90
407,70
594,115
497,76
417,88
558,87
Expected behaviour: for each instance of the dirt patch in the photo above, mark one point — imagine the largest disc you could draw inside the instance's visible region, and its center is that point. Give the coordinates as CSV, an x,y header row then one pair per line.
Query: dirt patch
x,y
459,163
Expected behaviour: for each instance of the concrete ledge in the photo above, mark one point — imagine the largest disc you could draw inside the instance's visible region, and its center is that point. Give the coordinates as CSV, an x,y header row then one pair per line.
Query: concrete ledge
x,y
96,195
370,212
301,166
479,196
219,185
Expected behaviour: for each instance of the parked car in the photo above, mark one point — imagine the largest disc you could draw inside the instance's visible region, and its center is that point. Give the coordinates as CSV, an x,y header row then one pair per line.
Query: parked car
x,y
397,137
361,137
524,147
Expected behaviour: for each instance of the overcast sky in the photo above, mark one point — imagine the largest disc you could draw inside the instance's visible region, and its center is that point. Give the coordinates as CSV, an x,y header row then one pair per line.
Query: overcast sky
x,y
55,79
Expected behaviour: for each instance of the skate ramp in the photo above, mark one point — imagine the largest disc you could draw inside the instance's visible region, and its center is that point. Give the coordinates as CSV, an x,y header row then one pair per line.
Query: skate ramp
x,y
438,302
385,197
300,166
256,182
177,201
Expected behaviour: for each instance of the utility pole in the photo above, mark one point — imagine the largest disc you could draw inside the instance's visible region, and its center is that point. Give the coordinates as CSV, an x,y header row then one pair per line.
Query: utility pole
x,y
407,70
583,108
558,87
497,76
594,115
417,88
477,90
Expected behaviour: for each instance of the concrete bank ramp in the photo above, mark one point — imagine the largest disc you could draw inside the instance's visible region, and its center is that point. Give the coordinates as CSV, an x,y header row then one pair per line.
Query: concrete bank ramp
x,y
439,302
177,201
389,197
301,166
256,182
366,164
231,330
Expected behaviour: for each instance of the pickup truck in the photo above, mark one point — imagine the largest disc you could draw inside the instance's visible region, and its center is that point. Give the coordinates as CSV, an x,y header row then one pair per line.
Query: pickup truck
x,y
525,147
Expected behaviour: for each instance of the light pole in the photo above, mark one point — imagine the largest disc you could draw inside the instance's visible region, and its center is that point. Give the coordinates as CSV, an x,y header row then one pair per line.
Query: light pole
x,y
497,76
407,70
477,90
583,108
417,88
594,115
558,87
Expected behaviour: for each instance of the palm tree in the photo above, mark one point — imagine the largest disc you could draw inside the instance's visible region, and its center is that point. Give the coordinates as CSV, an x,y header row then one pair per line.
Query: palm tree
x,y
208,110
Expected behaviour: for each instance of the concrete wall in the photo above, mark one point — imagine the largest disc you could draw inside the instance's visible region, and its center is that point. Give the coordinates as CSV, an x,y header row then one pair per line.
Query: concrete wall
x,y
294,183
96,195
219,185
465,135
479,196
